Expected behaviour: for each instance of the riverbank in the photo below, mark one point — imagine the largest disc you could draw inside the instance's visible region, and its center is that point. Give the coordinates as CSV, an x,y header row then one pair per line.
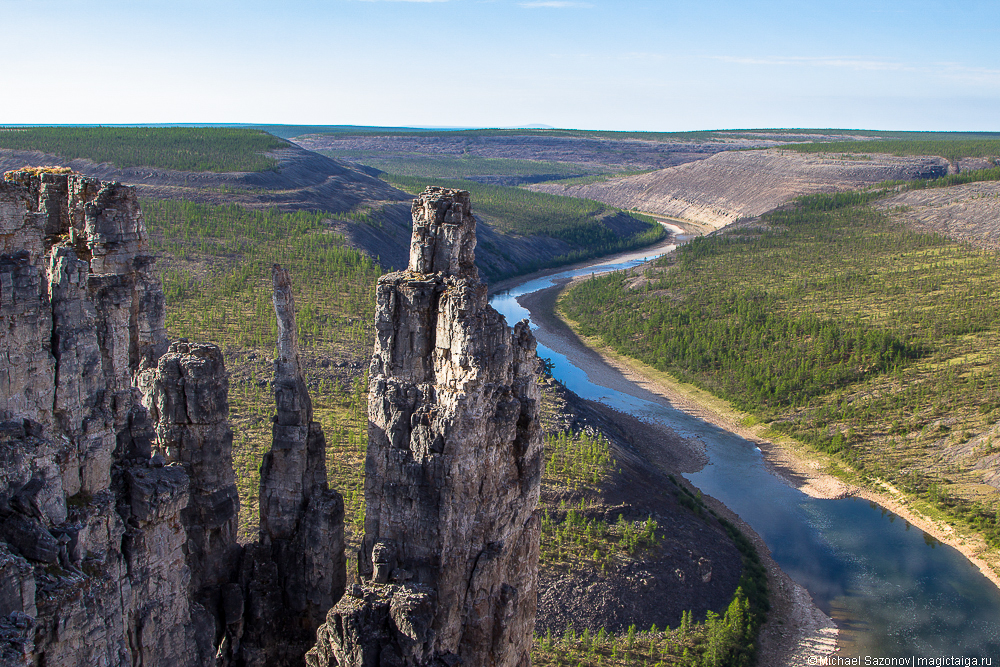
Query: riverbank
x,y
791,461
796,630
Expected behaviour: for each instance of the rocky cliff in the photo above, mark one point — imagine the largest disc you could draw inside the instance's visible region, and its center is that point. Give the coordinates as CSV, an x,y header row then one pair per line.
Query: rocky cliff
x,y
118,502
93,537
448,565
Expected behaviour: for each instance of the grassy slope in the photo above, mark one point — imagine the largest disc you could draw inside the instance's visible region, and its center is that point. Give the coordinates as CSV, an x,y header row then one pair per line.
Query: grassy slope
x,y
181,148
875,344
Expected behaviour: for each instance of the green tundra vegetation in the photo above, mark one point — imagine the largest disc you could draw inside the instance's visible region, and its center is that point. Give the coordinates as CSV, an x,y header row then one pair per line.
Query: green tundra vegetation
x,y
727,640
218,149
580,222
216,265
949,148
838,326
719,641
581,463
598,178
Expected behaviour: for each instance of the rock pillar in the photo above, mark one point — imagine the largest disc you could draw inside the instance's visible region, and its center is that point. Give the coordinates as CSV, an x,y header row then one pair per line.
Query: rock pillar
x,y
297,570
450,555
190,407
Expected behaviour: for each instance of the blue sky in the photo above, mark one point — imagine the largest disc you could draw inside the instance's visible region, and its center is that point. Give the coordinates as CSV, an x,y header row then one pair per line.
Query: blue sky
x,y
594,64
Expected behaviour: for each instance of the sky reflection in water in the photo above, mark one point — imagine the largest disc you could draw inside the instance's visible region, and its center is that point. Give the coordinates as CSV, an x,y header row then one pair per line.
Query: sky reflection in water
x,y
892,590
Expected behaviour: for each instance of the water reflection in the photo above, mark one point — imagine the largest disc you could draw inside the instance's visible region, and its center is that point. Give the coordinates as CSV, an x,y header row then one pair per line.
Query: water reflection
x,y
890,589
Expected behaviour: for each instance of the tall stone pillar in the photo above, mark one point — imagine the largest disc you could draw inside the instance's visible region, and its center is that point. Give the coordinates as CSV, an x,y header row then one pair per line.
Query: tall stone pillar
x,y
449,561
297,570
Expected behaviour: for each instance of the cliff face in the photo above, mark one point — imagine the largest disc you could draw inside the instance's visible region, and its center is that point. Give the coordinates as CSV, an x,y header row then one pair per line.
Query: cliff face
x,y
717,191
118,503
93,542
450,556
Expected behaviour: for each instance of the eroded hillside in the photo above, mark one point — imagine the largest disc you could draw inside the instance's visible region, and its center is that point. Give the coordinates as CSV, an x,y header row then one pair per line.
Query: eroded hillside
x,y
716,191
969,212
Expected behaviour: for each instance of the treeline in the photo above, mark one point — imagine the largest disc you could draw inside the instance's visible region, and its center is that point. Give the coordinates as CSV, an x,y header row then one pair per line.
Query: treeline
x,y
697,135
719,641
951,149
839,327
729,640
599,178
975,176
217,149
579,222
691,136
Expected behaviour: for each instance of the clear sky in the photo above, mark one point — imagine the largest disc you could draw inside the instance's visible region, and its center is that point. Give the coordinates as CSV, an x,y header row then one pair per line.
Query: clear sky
x,y
593,64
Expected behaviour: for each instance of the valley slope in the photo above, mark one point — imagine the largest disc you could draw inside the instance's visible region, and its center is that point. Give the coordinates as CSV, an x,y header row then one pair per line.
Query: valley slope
x,y
720,189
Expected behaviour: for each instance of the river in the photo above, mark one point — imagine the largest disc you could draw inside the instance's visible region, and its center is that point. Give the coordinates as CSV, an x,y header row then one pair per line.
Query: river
x,y
894,591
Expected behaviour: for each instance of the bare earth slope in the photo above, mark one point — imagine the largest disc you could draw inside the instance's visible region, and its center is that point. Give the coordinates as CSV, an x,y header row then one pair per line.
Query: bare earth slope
x,y
716,191
969,212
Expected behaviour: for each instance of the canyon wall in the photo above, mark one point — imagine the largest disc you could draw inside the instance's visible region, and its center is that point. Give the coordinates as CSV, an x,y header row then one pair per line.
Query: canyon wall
x,y
719,190
93,539
449,561
118,502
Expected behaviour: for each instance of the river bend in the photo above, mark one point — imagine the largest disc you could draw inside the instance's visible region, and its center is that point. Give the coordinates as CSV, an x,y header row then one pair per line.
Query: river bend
x,y
893,590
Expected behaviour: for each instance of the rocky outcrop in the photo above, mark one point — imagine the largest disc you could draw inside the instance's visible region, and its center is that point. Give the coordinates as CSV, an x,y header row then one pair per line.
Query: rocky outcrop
x,y
93,546
297,570
118,504
188,402
450,555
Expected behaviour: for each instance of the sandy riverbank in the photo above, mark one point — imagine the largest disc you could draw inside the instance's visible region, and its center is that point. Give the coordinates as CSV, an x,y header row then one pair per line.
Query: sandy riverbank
x,y
796,630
